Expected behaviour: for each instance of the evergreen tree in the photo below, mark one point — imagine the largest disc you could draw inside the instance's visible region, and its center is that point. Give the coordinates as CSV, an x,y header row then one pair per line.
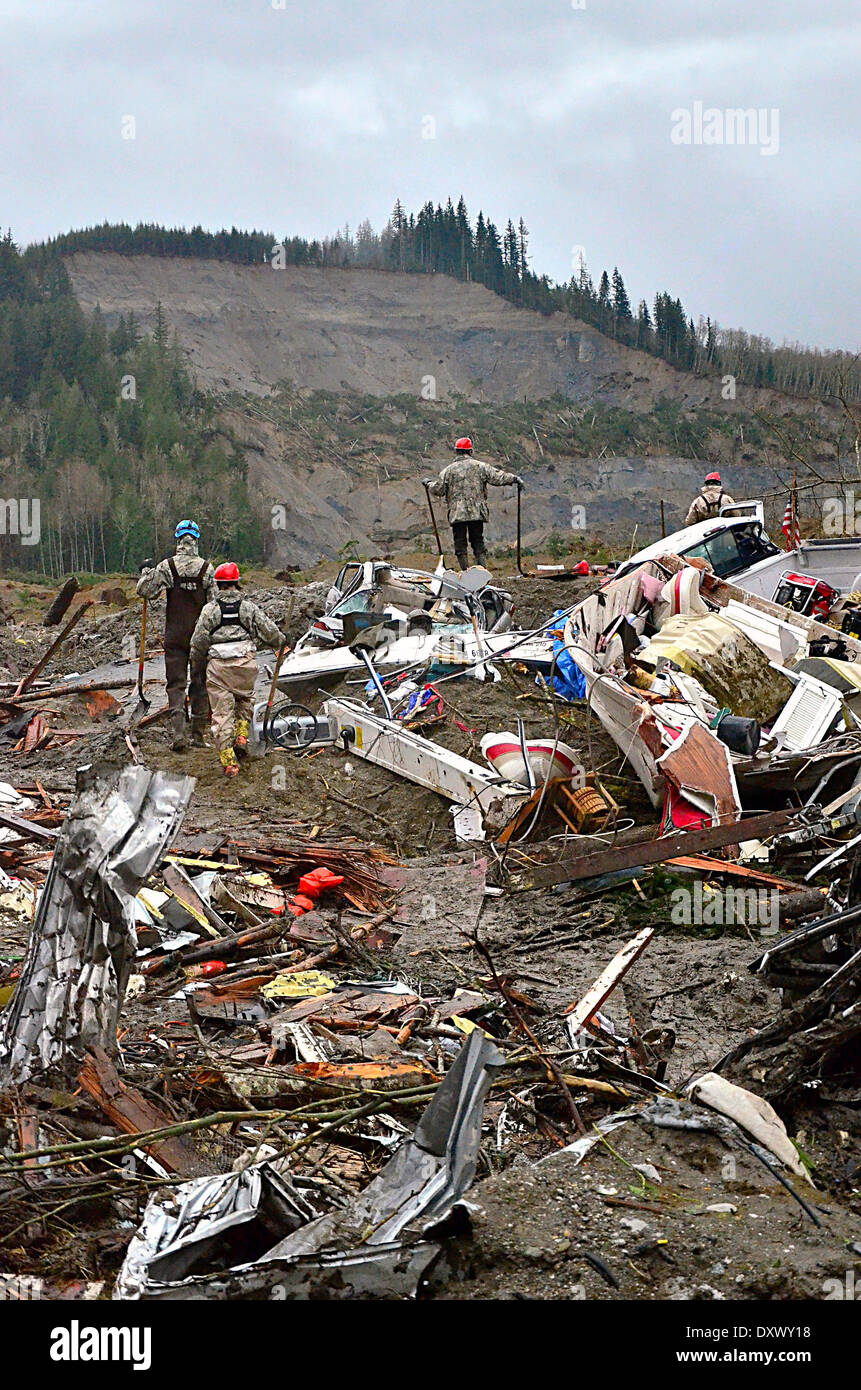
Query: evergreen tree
x,y
621,302
161,331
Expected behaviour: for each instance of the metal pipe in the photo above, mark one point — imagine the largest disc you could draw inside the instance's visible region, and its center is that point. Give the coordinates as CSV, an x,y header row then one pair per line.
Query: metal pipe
x,y
375,678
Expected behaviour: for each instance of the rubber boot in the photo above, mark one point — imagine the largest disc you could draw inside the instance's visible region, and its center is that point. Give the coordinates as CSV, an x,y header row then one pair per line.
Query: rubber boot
x,y
198,733
179,733
227,758
462,560
240,743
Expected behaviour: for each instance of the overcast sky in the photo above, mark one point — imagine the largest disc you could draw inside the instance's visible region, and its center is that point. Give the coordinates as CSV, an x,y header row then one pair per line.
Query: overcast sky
x,y
298,116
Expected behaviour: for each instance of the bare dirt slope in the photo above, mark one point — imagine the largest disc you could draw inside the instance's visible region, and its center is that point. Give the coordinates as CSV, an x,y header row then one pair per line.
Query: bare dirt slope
x,y
330,499
246,328
360,334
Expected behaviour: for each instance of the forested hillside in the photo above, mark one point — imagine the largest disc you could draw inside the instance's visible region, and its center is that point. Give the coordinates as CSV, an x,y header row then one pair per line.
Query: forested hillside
x,y
107,430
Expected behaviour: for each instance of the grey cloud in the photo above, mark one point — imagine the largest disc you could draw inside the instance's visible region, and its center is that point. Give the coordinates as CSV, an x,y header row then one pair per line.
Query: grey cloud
x,y
301,119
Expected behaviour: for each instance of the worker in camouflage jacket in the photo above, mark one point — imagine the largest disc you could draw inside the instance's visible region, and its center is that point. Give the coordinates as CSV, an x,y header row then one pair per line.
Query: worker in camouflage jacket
x,y
222,652
464,485
187,581
709,501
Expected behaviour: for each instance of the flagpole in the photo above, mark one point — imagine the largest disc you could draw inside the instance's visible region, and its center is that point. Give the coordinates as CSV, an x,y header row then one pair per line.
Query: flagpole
x,y
790,527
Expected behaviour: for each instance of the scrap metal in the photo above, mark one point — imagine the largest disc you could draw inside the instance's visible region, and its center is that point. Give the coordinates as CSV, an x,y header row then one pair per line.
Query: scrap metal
x,y
379,1244
83,942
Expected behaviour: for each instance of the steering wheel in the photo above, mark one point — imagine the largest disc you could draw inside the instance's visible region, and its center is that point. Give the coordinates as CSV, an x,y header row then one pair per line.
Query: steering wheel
x,y
279,728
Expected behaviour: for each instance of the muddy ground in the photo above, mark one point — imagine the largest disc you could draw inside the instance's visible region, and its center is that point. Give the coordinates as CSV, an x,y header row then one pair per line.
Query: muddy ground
x,y
694,1219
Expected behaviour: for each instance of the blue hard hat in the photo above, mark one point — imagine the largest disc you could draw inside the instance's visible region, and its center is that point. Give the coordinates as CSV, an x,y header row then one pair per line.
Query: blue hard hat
x,y
187,528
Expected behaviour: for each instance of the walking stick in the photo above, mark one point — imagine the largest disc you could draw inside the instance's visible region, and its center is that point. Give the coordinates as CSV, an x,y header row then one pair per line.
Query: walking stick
x,y
519,565
141,657
278,659
433,518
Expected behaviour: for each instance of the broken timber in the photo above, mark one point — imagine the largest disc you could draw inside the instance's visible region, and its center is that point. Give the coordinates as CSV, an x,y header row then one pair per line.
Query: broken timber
x,y
27,681
659,851
61,603
584,1009
54,692
133,1113
31,830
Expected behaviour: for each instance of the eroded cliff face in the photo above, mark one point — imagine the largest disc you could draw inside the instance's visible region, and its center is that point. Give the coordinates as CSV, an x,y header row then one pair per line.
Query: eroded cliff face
x,y
454,347
380,504
246,328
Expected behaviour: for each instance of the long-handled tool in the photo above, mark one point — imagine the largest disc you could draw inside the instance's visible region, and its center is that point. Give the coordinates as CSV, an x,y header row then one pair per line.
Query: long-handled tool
x,y
433,519
520,569
543,571
267,714
142,699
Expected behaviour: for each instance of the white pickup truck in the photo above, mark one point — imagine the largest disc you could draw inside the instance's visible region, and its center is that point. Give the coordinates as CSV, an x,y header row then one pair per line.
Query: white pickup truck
x,y
736,546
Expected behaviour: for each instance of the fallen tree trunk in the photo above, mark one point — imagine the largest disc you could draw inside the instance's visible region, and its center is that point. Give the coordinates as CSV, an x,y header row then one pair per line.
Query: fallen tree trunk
x,y
803,1058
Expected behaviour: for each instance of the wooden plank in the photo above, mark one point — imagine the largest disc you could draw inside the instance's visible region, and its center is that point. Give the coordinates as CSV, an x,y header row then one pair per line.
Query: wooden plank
x,y
584,1008
151,718
658,851
31,830
726,866
133,1113
53,692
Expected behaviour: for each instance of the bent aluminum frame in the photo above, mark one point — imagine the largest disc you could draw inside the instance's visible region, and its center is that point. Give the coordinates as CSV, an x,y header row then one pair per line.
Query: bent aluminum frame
x,y
83,942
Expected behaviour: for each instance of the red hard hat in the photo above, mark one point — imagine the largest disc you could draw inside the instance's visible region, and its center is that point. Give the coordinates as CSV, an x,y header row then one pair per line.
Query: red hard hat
x,y
463,444
228,573
713,477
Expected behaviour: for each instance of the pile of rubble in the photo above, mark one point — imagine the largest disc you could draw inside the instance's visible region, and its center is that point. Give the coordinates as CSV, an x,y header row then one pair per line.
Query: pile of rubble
x,y
587,1034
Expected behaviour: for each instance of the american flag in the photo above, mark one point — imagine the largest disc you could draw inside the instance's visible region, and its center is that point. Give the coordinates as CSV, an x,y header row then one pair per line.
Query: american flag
x,y
789,526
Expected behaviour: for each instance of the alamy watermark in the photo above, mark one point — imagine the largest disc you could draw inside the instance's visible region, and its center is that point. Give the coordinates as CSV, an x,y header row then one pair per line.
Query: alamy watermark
x,y
841,516
725,907
848,1288
21,516
758,126
81,1343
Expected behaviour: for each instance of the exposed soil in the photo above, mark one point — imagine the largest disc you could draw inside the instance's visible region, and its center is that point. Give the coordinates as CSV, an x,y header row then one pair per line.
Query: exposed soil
x,y
362,336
